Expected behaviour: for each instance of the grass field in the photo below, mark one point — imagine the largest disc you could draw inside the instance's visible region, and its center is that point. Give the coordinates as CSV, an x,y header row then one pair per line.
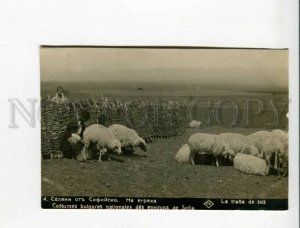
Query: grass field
x,y
155,90
156,174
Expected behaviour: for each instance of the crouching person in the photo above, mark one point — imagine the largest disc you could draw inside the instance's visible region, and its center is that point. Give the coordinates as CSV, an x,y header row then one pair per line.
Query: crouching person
x,y
70,143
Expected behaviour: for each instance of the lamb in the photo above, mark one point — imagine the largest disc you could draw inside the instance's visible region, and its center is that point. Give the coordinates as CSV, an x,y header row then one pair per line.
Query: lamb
x,y
103,139
184,154
128,137
195,124
233,143
250,165
203,142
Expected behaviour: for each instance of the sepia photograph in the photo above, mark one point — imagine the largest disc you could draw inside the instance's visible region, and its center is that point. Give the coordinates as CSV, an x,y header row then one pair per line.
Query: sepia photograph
x,y
147,127
147,113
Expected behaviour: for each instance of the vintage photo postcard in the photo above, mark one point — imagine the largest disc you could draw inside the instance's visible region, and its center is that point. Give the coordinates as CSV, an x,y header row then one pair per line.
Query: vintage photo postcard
x,y
164,128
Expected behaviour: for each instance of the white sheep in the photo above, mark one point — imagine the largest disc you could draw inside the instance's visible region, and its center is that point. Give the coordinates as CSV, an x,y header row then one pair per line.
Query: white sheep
x,y
195,124
203,142
251,165
184,154
283,157
281,136
271,151
258,139
103,139
273,147
233,143
128,137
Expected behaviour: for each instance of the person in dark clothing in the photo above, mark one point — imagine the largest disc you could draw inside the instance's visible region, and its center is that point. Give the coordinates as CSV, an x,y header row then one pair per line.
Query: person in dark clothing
x,y
102,120
74,126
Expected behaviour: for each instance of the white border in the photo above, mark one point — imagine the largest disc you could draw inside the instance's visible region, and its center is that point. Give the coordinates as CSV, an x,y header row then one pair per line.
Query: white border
x,y
24,25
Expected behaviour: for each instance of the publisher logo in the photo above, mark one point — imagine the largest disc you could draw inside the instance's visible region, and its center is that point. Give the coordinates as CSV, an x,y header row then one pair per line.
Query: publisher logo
x,y
208,203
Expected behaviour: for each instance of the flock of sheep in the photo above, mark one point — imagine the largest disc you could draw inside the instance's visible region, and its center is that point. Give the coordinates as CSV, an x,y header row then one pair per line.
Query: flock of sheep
x,y
256,153
114,138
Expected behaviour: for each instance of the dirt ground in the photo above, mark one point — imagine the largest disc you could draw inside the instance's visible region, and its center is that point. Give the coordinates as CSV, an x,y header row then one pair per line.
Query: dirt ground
x,y
155,173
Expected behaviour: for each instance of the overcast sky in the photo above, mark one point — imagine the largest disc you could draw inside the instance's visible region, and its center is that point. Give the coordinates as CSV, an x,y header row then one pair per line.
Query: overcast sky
x,y
104,64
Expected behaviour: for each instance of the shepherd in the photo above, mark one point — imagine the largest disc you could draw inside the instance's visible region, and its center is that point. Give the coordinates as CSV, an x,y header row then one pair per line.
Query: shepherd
x,y
59,96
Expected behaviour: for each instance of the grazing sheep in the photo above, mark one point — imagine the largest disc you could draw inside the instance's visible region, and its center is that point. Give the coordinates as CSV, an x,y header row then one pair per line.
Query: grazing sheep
x,y
280,132
203,142
273,147
282,136
195,124
128,137
250,165
271,150
184,154
103,139
283,157
258,139
233,143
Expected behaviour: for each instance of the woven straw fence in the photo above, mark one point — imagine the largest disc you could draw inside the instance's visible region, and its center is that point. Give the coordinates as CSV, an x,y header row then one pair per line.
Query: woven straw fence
x,y
150,119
